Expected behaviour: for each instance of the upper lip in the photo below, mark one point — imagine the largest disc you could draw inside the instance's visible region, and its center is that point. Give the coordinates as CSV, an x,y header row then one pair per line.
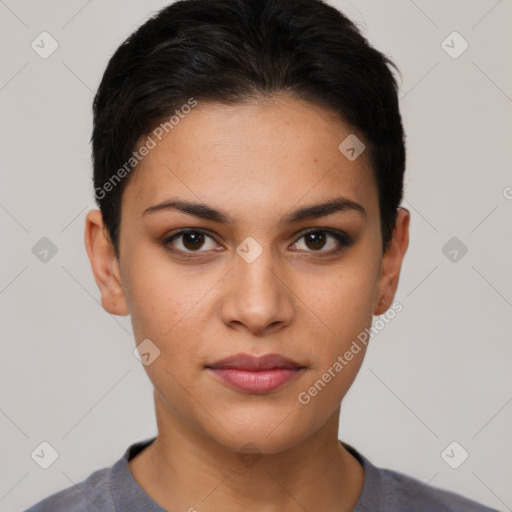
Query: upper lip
x,y
254,363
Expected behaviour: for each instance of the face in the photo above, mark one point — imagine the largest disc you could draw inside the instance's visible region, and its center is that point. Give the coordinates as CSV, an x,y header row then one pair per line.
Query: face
x,y
258,271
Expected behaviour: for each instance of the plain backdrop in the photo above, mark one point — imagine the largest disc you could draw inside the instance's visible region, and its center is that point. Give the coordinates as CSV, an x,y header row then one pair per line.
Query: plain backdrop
x,y
439,372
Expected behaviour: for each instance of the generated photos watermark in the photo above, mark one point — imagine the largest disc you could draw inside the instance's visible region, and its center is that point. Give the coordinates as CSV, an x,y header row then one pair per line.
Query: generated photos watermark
x,y
143,150
363,337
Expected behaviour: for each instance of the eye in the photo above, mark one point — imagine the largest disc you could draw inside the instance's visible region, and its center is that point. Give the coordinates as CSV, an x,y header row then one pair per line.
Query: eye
x,y
317,239
192,240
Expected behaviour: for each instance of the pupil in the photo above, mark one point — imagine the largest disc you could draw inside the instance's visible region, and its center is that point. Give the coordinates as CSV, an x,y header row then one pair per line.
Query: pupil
x,y
318,240
192,240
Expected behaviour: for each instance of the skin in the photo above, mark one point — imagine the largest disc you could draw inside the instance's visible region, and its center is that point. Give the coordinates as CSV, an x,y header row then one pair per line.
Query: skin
x,y
257,162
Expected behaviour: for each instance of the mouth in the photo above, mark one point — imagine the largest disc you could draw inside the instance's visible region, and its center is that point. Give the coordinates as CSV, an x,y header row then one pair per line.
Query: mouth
x,y
255,375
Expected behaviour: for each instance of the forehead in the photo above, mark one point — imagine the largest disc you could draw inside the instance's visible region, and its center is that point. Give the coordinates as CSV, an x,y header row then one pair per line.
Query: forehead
x,y
261,154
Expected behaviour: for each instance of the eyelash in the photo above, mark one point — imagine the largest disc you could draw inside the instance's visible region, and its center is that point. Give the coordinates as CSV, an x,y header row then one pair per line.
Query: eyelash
x,y
344,240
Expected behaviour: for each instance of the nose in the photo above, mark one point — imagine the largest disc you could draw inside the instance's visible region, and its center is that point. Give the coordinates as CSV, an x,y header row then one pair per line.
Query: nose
x,y
257,297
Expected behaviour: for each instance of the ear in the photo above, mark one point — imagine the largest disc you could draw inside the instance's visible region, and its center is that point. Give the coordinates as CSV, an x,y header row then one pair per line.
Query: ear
x,y
105,266
392,262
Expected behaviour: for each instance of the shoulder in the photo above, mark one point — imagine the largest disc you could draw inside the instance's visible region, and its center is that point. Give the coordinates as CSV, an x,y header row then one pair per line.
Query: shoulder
x,y
402,492
387,490
106,490
90,495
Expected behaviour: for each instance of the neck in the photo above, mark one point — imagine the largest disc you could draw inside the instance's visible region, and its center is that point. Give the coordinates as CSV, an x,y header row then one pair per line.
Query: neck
x,y
184,470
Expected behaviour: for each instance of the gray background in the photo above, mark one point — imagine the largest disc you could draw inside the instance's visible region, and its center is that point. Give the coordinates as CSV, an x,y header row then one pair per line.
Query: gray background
x,y
439,372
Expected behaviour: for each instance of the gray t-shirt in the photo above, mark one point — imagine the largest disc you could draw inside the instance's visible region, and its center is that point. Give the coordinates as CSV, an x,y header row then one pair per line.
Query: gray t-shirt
x,y
115,490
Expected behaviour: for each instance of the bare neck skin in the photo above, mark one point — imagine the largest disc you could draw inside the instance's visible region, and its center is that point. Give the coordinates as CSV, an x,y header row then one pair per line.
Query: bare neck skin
x,y
181,470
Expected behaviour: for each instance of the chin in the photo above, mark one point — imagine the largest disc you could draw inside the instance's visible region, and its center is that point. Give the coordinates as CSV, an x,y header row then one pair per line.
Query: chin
x,y
260,433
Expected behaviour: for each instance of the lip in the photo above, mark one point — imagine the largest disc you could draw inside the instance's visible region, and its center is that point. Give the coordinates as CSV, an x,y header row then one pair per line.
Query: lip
x,y
256,375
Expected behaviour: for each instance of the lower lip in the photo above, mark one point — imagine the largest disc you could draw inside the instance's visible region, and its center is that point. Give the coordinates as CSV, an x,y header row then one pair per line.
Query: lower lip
x,y
257,382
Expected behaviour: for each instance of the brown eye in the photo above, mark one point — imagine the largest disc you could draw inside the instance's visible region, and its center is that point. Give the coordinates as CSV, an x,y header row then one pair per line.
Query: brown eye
x,y
318,239
315,240
192,241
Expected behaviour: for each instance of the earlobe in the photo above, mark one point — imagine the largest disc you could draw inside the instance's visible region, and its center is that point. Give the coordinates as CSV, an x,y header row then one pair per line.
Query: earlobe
x,y
104,264
392,262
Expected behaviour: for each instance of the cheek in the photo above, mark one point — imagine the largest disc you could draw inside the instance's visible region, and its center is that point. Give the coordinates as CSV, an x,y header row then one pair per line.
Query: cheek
x,y
343,311
339,309
341,302
171,309
160,297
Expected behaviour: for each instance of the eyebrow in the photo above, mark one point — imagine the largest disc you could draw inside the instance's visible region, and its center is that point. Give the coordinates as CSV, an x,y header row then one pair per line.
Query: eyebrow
x,y
203,211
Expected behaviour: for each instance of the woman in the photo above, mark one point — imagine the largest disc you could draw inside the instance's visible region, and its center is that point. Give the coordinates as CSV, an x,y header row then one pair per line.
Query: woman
x,y
248,167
